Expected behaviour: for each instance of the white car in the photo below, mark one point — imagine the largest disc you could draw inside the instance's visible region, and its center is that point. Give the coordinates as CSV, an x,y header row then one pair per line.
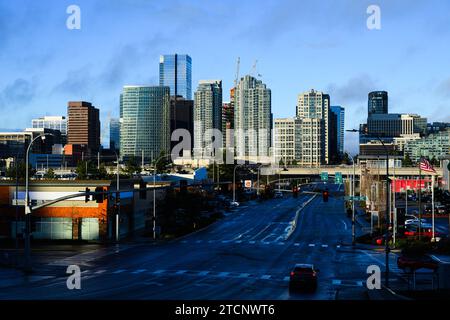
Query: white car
x,y
414,222
234,204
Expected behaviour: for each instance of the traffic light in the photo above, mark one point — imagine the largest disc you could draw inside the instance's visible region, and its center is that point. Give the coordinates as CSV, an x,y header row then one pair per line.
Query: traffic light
x,y
325,196
99,196
295,191
87,195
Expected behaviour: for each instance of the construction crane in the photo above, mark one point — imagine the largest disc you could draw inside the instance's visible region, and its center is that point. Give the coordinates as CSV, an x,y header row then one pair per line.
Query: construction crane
x,y
254,71
236,79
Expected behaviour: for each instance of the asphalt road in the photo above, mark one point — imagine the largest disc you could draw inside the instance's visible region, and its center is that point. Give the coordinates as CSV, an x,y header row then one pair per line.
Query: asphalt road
x,y
246,255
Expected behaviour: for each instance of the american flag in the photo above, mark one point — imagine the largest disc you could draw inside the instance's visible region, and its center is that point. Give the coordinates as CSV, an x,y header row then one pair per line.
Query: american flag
x,y
425,165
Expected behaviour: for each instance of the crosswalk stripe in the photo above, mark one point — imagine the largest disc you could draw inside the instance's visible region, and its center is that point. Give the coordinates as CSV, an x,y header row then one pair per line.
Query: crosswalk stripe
x,y
159,271
266,277
324,246
311,245
297,244
223,274
203,273
181,271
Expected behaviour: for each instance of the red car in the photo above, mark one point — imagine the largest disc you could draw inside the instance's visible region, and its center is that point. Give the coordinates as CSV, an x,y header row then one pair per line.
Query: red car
x,y
410,263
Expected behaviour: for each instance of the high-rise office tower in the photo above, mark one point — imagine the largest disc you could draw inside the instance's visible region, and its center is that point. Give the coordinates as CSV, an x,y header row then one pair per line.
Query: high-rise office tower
x,y
378,102
252,118
207,113
227,122
175,72
313,108
340,128
83,126
114,134
182,117
145,121
287,139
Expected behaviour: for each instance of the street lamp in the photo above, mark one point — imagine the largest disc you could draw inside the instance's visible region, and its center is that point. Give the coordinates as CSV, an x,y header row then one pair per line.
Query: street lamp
x,y
234,180
27,265
117,197
154,193
353,201
386,249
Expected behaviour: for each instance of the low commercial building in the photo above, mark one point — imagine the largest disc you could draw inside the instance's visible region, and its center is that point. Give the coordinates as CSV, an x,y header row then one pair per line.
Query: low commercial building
x,y
75,219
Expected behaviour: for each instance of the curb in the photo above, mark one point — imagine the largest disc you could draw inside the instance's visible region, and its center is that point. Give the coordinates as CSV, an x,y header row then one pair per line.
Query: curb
x,y
293,223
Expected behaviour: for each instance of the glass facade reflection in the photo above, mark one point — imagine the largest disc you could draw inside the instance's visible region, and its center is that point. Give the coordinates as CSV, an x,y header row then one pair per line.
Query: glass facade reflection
x,y
175,72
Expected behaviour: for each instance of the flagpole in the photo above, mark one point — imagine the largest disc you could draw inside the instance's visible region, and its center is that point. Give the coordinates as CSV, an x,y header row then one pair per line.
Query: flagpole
x,y
420,199
432,205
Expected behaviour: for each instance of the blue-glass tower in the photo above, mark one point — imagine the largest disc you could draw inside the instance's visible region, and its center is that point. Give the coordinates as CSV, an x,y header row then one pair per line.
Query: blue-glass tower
x,y
175,72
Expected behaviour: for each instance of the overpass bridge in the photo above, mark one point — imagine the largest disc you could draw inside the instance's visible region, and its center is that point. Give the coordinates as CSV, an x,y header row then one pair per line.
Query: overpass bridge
x,y
346,170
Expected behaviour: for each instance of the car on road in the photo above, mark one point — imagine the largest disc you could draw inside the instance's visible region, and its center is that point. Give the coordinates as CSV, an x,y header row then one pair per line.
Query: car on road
x,y
278,195
415,222
441,209
234,204
303,276
412,263
427,233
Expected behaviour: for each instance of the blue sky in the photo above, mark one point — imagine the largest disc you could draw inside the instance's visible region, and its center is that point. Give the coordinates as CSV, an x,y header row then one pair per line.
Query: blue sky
x,y
299,45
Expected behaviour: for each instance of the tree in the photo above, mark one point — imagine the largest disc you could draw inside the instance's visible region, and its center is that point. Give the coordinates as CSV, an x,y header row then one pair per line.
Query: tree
x,y
407,162
132,166
11,172
50,174
345,158
163,162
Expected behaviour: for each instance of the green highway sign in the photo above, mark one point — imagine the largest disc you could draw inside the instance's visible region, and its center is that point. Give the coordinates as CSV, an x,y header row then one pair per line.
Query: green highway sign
x,y
324,176
338,177
356,198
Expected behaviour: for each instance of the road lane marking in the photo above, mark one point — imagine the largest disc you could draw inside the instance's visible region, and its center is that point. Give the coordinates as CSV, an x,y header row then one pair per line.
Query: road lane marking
x,y
100,271
244,275
139,271
266,277
297,244
324,246
203,273
345,225
286,278
239,241
311,245
223,274
252,242
119,271
199,241
336,282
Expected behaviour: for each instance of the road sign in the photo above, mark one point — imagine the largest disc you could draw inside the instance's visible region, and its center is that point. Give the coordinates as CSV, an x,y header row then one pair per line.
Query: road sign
x,y
356,198
324,176
248,183
338,177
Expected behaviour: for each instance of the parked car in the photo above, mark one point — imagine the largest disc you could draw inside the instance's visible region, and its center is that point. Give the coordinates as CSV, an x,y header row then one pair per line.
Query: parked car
x,y
412,263
413,231
234,204
415,222
440,209
303,276
278,195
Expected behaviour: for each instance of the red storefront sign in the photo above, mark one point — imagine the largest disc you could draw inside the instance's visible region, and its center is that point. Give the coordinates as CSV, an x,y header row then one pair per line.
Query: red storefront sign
x,y
409,184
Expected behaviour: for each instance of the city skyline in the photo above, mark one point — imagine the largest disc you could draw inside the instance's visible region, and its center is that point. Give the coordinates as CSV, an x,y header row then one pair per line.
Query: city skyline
x,y
99,77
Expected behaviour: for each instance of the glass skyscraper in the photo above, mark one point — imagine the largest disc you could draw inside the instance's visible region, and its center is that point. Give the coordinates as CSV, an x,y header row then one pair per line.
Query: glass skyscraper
x,y
340,115
145,121
207,113
175,72
114,134
378,102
